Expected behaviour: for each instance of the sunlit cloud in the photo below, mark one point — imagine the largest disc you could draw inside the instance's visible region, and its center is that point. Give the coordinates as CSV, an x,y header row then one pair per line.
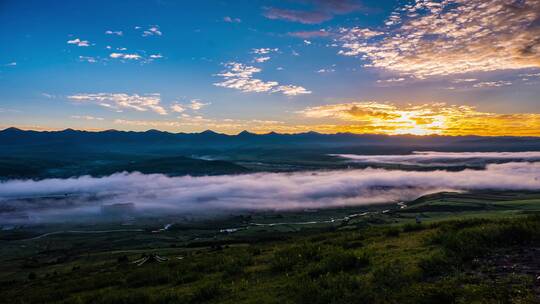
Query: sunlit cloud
x,y
264,51
197,104
443,37
309,34
120,101
262,59
425,119
240,77
199,123
117,33
79,42
320,11
87,117
391,80
125,56
492,84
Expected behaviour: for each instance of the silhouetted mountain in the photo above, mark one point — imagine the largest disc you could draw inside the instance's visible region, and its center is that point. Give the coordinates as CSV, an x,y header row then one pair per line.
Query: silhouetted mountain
x,y
36,154
209,139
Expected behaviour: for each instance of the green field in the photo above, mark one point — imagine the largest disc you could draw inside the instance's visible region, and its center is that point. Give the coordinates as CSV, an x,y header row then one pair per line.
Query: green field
x,y
469,248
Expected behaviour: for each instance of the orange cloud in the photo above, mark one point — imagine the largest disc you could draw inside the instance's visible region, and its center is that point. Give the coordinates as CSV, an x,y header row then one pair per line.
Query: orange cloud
x,y
426,119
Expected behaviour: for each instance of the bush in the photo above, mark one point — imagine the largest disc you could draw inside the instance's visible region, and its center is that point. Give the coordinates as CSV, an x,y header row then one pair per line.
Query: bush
x,y
392,232
436,264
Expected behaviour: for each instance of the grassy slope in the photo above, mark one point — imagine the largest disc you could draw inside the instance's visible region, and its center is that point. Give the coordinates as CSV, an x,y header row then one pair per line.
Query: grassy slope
x,y
382,258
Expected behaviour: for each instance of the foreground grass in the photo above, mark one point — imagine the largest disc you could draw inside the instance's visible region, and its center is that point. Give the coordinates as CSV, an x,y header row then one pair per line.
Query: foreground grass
x,y
456,261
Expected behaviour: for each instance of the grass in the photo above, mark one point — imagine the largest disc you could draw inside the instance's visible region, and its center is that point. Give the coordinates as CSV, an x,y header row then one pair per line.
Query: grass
x,y
383,258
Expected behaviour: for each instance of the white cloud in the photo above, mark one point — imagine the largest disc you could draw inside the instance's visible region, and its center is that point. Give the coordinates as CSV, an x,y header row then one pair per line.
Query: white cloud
x,y
87,117
178,108
391,80
291,90
117,33
11,64
262,59
152,31
197,104
229,19
47,95
307,42
443,37
264,51
444,159
121,101
492,84
125,56
240,77
156,56
260,191
79,42
321,71
88,59
462,80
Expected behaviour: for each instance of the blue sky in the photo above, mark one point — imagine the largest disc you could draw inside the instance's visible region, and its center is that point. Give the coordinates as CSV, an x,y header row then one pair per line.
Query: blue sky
x,y
288,66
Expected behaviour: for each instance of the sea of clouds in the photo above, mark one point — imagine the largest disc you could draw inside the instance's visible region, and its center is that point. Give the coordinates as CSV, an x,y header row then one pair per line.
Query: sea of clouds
x,y
443,159
62,199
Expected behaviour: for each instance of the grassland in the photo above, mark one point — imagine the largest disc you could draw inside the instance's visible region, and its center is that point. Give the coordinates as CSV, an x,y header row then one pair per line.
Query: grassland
x,y
485,250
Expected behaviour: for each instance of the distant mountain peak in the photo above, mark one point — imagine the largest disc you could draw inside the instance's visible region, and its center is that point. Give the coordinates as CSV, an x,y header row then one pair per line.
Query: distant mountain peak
x,y
155,131
12,129
209,132
245,132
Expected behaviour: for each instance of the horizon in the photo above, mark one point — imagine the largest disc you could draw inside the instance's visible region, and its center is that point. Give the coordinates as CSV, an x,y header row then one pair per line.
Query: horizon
x,y
253,133
425,67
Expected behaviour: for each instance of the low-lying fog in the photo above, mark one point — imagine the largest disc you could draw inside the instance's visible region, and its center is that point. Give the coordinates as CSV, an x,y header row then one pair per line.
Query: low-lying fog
x,y
443,159
66,199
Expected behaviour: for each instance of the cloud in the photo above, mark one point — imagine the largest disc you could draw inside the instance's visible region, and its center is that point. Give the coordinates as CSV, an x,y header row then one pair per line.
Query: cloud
x,y
442,37
88,59
125,56
156,56
11,64
229,19
240,77
197,123
309,34
292,90
307,42
197,104
322,10
152,31
264,51
158,193
178,108
87,117
329,70
391,80
445,159
121,101
117,33
262,59
424,119
79,42
464,80
492,84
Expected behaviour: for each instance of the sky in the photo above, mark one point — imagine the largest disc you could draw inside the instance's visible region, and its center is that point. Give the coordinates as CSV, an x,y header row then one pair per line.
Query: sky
x,y
448,67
